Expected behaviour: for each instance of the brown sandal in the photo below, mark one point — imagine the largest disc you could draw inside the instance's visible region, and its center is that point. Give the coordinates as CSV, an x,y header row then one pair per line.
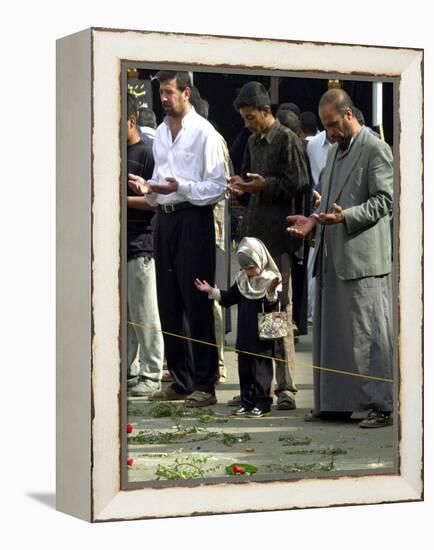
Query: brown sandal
x,y
285,402
169,394
200,399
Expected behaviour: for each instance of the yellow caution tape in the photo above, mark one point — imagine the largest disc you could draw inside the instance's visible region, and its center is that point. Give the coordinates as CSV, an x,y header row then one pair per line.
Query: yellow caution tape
x,y
228,348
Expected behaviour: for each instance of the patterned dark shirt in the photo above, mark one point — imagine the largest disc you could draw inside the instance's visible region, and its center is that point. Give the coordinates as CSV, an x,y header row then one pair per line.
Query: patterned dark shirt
x,y
277,156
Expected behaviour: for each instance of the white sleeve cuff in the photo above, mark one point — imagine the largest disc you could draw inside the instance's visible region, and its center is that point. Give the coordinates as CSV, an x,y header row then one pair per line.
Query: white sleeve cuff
x,y
215,294
184,188
151,199
271,297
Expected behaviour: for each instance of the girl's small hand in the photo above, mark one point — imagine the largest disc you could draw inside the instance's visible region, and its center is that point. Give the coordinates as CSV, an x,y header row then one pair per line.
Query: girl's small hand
x,y
273,284
203,286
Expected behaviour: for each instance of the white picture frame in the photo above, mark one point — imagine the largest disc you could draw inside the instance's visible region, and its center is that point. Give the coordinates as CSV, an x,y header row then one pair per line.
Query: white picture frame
x,y
89,428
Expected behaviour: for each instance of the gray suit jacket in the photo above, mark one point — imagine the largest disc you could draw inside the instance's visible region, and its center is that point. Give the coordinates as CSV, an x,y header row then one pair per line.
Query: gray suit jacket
x,y
361,246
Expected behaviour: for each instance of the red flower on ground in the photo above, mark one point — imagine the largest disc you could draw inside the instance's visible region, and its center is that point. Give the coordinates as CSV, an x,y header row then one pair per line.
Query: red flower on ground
x,y
129,428
130,461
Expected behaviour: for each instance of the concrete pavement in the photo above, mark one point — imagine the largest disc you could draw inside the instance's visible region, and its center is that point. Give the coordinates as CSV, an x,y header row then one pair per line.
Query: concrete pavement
x,y
282,445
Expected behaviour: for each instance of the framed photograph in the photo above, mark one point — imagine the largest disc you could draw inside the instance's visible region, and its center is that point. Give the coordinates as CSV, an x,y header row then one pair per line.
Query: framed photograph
x,y
104,474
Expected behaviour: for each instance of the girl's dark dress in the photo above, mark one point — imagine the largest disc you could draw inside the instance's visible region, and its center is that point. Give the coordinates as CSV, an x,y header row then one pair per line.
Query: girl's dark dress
x,y
255,373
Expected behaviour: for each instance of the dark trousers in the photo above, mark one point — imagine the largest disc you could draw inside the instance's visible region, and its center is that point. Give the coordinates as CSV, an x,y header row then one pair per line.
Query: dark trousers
x,y
184,251
256,375
299,291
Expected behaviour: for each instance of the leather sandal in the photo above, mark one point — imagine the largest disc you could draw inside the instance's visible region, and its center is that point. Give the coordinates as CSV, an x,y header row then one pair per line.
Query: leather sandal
x,y
376,419
169,394
285,402
200,399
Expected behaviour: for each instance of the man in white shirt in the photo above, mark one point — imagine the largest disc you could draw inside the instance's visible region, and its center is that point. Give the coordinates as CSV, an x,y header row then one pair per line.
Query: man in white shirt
x,y
147,122
188,180
317,151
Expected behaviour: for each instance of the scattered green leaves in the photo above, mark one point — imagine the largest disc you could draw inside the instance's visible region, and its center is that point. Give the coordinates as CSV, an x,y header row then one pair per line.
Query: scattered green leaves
x,y
189,467
290,440
229,439
298,468
166,409
334,451
135,412
154,455
206,415
154,437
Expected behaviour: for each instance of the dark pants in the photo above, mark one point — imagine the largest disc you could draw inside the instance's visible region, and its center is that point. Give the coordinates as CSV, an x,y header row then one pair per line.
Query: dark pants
x,y
299,292
256,375
184,251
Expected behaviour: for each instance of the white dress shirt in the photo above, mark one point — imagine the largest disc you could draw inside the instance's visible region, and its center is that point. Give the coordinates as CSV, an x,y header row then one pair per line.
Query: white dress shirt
x,y
317,151
194,159
148,131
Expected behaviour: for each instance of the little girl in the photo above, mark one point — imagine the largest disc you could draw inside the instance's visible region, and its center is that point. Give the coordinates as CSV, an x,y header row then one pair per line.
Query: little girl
x,y
255,290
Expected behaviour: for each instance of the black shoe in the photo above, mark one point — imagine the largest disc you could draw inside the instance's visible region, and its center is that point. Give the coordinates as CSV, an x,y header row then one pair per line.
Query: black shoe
x,y
257,413
241,411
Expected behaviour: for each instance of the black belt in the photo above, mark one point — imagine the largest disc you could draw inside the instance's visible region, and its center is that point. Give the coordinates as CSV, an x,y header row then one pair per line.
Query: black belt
x,y
170,208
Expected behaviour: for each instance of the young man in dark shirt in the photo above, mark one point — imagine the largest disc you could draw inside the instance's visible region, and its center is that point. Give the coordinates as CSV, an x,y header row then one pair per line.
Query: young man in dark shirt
x,y
145,340
273,176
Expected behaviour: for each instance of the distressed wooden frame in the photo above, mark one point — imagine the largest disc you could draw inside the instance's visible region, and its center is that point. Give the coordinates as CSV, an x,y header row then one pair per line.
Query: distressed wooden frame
x,y
89,434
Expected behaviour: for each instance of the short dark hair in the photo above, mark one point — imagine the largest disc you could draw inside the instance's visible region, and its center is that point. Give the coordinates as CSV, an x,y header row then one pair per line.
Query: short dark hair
x,y
183,79
288,119
289,107
147,118
308,123
131,106
200,104
252,94
338,99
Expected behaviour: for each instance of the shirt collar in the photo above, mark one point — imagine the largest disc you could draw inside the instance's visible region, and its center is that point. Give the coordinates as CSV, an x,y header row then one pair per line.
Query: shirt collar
x,y
269,136
187,119
348,149
325,141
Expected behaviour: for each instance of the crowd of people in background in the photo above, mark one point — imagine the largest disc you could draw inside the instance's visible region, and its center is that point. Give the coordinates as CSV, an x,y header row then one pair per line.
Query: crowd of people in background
x,y
314,241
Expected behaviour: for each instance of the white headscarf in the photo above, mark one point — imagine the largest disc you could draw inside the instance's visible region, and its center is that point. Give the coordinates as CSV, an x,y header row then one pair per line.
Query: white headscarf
x,y
253,252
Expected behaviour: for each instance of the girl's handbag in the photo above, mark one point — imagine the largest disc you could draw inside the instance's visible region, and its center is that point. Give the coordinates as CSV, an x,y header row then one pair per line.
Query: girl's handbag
x,y
272,325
